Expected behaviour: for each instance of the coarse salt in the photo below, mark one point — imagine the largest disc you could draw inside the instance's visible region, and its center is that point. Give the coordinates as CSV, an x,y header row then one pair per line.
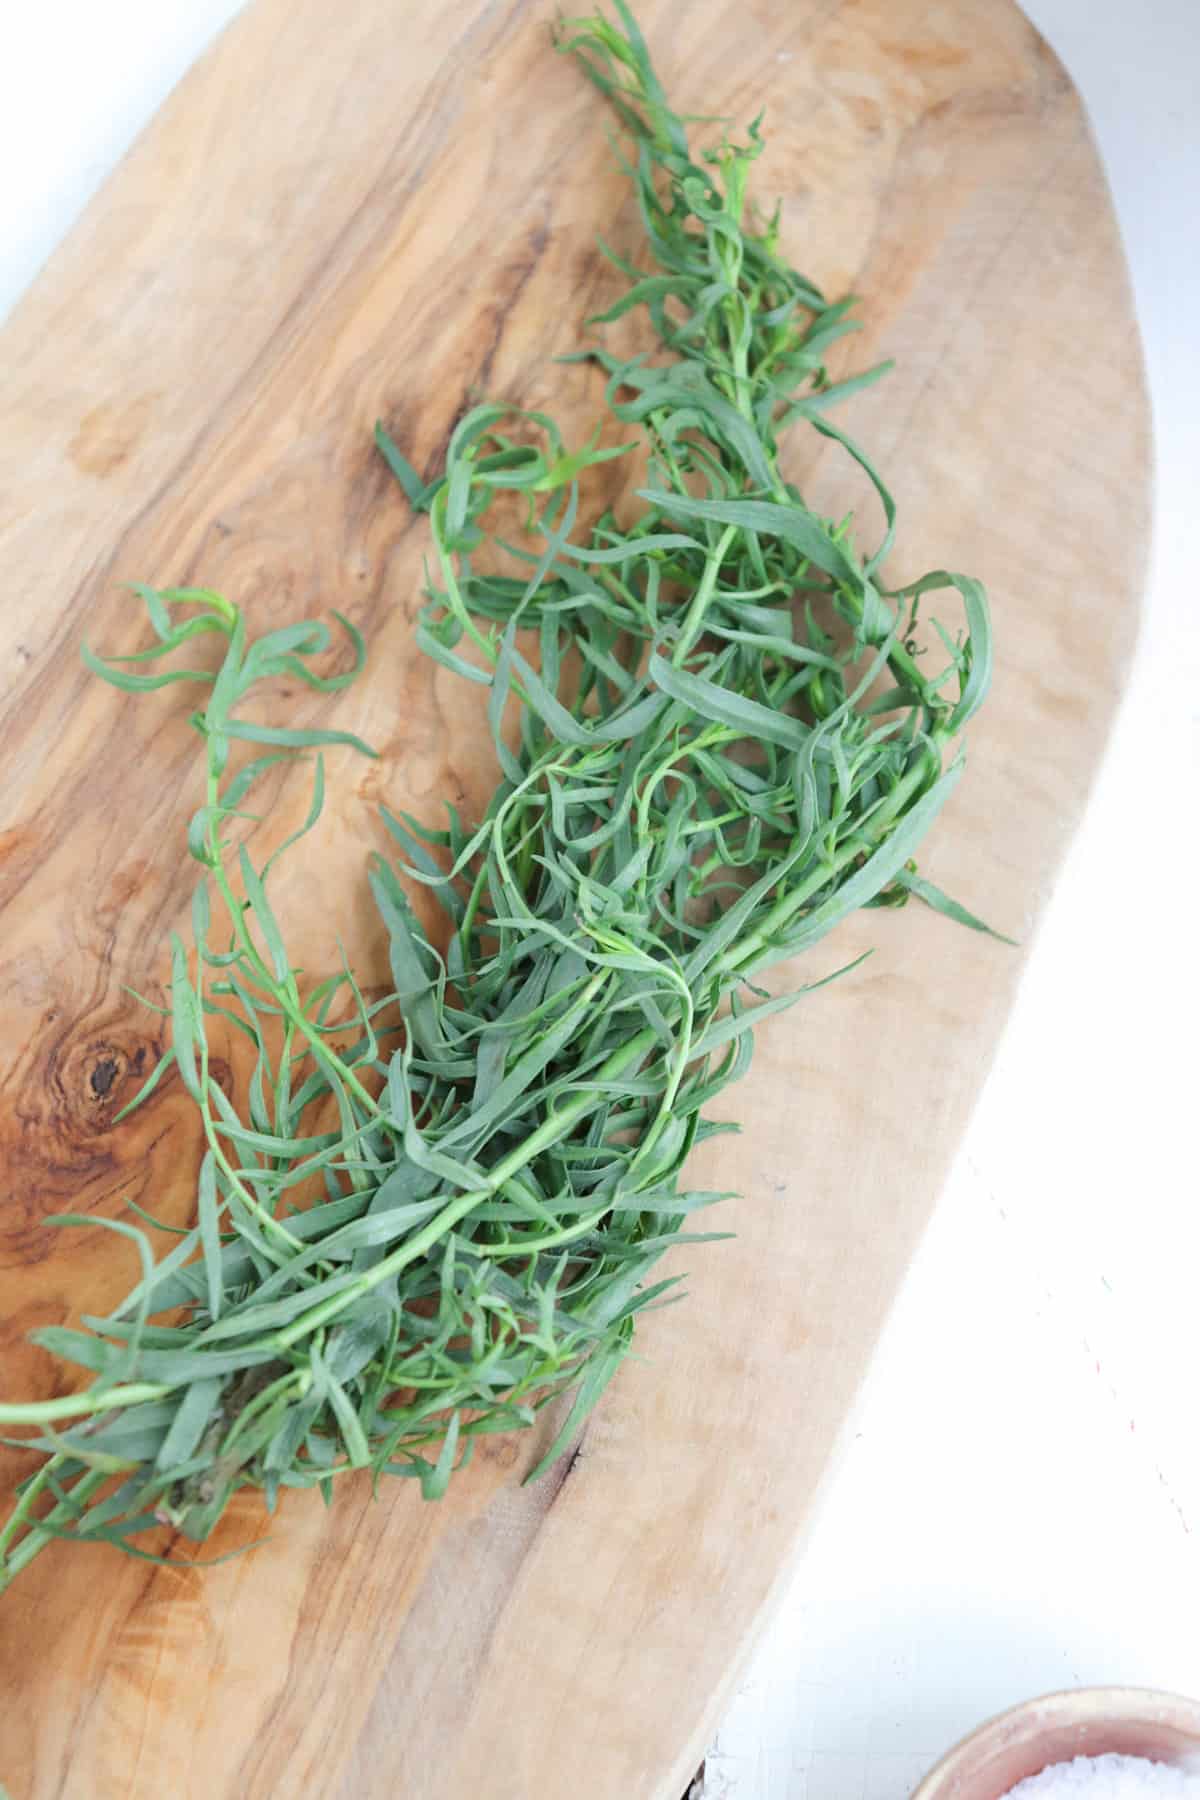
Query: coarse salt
x,y
1108,1778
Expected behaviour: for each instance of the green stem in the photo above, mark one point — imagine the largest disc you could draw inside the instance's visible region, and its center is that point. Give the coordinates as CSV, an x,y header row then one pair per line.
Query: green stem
x,y
740,955
22,1510
694,617
283,993
39,1535
91,1400
900,661
299,1380
548,1132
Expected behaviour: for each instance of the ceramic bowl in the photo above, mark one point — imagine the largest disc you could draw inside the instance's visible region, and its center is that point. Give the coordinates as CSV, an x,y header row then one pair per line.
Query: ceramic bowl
x,y
1083,1722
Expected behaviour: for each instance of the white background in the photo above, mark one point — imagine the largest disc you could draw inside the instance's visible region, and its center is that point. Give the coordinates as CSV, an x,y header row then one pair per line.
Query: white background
x,y
1017,1505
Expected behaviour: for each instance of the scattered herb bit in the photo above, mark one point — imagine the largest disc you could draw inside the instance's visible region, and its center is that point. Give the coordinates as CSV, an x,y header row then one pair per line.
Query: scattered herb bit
x,y
728,742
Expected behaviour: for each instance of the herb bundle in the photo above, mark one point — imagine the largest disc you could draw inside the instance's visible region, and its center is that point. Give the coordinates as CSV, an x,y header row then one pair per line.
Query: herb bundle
x,y
441,1209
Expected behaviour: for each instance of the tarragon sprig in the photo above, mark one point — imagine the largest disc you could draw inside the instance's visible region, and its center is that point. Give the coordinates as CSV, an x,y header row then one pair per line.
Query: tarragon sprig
x,y
441,1209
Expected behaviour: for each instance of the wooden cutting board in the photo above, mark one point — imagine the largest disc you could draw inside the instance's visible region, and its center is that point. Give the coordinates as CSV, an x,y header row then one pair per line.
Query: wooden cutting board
x,y
352,210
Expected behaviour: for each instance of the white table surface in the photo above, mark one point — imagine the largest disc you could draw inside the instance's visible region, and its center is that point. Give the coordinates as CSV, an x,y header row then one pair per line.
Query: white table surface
x,y
1017,1502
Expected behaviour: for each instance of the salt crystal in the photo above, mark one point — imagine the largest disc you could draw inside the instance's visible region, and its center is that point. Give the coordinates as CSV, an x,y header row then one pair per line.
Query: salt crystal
x,y
1108,1778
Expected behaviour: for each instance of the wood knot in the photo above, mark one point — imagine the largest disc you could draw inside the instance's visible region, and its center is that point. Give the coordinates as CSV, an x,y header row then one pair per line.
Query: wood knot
x,y
57,1141
110,434
68,1115
104,1068
502,1452
103,1075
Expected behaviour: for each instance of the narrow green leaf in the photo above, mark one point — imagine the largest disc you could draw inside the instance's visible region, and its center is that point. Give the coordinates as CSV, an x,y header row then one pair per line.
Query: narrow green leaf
x,y
210,1233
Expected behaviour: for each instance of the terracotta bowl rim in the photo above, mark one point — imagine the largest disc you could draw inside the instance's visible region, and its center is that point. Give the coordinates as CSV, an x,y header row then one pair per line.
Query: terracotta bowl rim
x,y
1065,1706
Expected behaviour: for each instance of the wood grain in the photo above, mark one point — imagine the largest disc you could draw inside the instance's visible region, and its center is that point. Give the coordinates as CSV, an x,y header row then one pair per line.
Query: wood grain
x,y
346,212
